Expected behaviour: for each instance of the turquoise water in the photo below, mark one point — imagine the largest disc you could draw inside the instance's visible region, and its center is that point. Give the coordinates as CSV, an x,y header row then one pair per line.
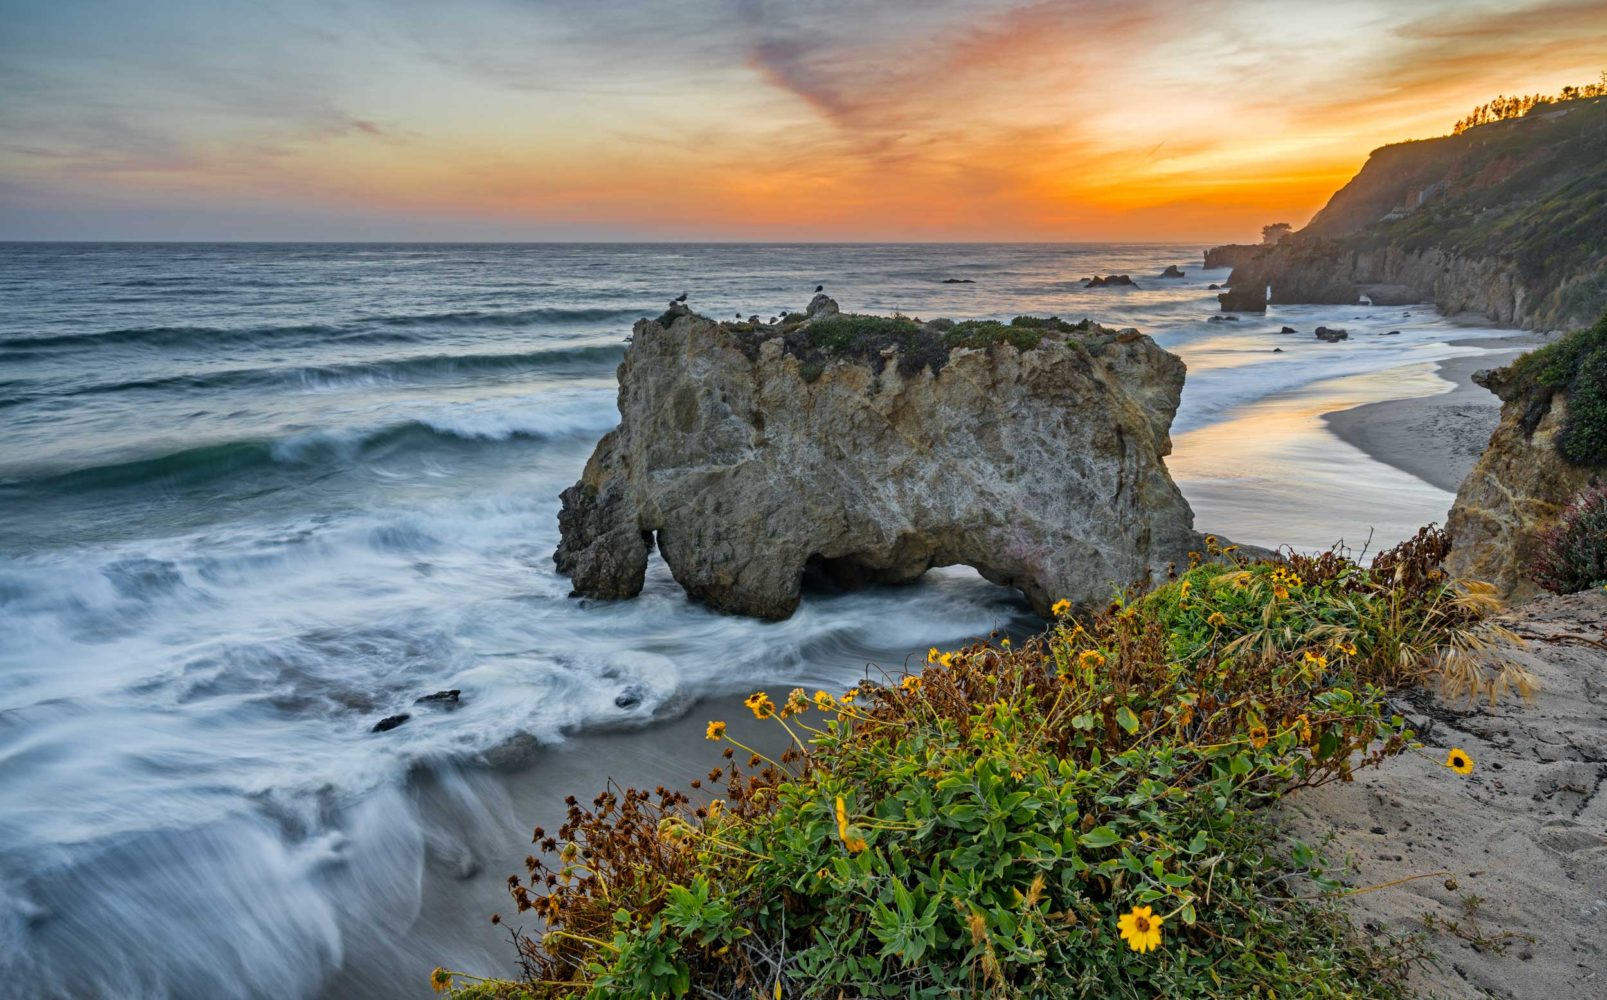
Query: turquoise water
x,y
258,497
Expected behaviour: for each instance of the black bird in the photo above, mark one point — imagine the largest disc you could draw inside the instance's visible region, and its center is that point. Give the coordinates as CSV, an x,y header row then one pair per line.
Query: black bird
x,y
820,288
680,298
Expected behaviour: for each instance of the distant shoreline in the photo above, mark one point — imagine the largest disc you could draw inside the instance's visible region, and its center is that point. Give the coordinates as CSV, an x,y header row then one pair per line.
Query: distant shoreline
x,y
1436,438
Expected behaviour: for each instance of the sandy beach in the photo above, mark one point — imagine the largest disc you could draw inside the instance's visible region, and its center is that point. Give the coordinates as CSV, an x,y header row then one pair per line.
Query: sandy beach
x,y
1436,438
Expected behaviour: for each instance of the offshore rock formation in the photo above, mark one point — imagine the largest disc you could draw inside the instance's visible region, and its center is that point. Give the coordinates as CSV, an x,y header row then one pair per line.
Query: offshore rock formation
x,y
1517,488
1507,219
1030,451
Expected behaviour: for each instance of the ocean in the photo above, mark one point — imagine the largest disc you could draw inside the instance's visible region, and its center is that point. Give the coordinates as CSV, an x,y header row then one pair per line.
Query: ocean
x,y
255,498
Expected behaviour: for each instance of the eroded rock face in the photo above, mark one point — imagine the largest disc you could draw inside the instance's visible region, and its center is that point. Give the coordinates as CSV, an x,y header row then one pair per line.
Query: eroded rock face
x,y
1517,488
1042,468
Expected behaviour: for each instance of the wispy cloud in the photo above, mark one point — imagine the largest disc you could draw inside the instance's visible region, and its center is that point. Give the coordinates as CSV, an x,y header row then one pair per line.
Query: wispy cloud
x,y
755,118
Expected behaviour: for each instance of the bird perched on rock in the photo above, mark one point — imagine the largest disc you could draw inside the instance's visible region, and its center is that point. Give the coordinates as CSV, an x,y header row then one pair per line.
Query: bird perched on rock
x,y
679,298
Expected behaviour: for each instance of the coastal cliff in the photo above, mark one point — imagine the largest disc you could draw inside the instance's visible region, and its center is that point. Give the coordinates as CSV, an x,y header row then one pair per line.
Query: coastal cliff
x,y
1507,219
1550,444
871,449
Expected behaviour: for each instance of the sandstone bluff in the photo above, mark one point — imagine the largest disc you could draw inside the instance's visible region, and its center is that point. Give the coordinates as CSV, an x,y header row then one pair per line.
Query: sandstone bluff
x,y
870,450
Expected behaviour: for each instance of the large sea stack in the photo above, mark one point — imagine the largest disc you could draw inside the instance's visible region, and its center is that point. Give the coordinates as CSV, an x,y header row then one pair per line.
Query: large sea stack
x,y
871,449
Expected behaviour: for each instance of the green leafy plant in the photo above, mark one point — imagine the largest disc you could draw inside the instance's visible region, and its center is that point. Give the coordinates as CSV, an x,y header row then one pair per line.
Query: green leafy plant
x,y
1079,816
1577,365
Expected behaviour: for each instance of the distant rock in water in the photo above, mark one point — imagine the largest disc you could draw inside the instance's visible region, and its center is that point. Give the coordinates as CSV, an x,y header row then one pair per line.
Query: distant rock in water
x,y
1110,281
870,449
441,699
1244,297
390,722
1332,336
958,281
1288,329
1233,254
1213,286
1172,271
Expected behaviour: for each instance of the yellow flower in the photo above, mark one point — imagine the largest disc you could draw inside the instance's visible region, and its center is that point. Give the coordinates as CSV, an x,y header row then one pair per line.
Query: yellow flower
x,y
1281,591
1185,588
850,695
440,980
716,731
1089,659
850,840
824,701
760,705
946,660
716,806
1458,761
1141,928
1344,647
1316,658
1060,608
795,703
932,655
1005,643
910,683
1304,722
1258,736
1217,619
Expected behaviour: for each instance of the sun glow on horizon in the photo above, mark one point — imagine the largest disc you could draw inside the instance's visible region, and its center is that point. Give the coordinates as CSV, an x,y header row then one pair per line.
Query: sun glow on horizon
x,y
959,119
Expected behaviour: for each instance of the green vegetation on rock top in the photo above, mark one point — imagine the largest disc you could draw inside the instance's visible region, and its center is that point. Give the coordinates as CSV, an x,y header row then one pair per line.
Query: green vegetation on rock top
x,y
1576,365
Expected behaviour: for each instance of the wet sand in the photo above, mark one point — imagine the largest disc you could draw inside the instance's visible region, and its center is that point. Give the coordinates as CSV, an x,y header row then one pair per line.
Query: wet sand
x,y
1436,438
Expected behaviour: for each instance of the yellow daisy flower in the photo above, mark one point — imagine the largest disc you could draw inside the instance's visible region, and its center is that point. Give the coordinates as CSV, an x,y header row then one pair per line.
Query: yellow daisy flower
x,y
1459,761
1089,659
1258,736
1141,928
716,731
1060,608
1217,619
824,701
760,705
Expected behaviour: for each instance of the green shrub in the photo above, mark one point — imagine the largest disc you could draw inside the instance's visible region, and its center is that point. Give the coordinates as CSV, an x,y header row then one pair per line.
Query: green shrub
x,y
996,825
1577,365
1572,553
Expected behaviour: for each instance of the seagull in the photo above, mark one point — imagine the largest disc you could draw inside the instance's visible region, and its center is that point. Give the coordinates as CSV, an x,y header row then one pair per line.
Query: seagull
x,y
820,288
679,298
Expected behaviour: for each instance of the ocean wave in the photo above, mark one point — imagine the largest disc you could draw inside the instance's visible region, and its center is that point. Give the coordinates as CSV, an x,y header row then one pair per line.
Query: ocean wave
x,y
368,329
417,368
334,448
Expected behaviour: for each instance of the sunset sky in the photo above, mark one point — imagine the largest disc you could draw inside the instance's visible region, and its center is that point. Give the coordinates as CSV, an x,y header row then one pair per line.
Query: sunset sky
x,y
734,119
